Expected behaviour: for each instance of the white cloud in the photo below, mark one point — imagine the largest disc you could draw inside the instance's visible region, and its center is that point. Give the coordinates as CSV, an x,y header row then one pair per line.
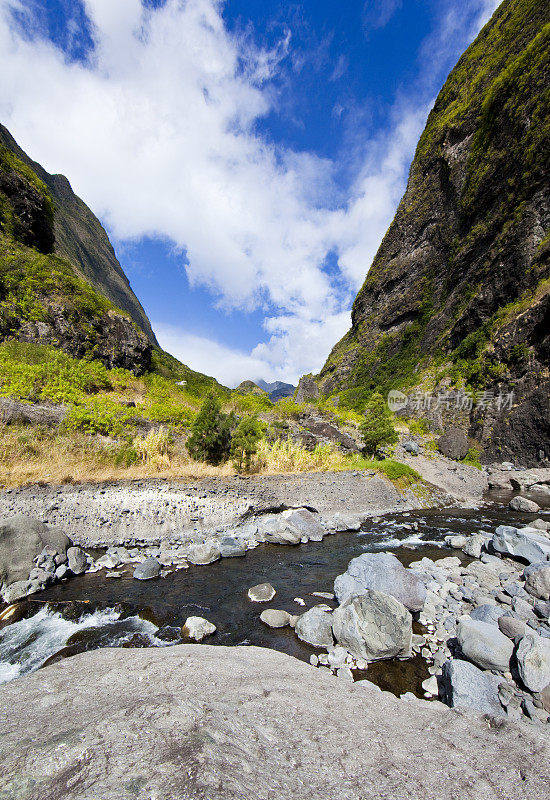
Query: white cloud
x,y
157,134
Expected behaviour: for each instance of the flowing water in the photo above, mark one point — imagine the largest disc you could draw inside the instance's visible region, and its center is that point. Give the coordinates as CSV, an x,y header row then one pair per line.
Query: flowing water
x,y
91,611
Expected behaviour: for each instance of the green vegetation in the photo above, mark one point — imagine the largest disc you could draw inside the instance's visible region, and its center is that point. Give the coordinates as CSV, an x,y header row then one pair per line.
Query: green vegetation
x,y
244,443
472,458
377,429
210,438
400,474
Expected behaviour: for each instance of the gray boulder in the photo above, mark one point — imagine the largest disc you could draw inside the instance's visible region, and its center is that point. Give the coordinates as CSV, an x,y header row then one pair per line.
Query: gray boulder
x,y
274,618
489,614
466,686
306,523
411,447
21,540
373,626
519,503
474,545
203,554
511,627
231,547
526,543
383,573
533,656
453,444
537,580
77,560
261,593
315,627
15,591
198,628
277,530
484,644
150,568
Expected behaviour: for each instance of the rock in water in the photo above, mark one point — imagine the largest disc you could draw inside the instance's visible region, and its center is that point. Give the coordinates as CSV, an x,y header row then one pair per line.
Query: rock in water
x,y
466,686
205,553
533,655
77,560
519,503
537,580
197,628
261,593
373,626
484,644
315,627
453,444
277,530
306,523
232,548
274,618
527,543
150,568
382,572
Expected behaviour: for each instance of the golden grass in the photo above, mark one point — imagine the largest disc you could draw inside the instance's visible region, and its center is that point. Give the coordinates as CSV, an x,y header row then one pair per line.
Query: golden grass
x,y
30,454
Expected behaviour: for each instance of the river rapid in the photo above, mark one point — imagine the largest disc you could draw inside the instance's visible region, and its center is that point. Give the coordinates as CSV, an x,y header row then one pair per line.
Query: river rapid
x,y
91,610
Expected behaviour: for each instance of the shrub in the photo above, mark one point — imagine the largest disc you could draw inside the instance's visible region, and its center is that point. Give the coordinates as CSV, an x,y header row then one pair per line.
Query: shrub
x,y
210,437
286,408
153,448
244,443
377,429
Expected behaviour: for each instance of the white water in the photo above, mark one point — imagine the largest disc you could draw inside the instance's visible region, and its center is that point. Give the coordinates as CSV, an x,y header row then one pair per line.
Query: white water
x,y
27,644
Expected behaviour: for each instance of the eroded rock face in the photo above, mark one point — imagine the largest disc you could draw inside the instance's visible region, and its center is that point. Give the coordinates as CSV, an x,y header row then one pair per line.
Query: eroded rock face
x,y
373,626
384,573
191,722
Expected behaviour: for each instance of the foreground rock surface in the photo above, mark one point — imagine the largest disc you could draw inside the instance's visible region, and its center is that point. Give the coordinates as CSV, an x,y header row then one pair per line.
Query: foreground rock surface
x,y
221,723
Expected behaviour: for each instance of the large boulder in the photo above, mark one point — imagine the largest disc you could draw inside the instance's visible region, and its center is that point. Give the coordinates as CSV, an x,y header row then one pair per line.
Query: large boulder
x,y
231,547
315,627
277,530
453,444
484,644
203,554
489,614
526,543
150,568
533,657
77,560
198,628
373,626
246,722
519,503
537,580
383,573
21,540
306,523
261,593
466,686
275,618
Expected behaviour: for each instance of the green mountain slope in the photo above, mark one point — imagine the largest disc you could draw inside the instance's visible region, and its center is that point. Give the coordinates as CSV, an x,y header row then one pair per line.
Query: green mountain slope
x,y
81,239
459,289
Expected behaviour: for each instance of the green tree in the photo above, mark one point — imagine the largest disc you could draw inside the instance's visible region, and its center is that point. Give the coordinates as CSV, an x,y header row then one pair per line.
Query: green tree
x,y
377,429
244,443
210,437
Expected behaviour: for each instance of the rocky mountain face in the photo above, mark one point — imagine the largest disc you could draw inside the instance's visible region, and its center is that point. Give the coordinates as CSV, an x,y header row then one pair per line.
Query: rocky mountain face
x,y
78,237
277,389
458,294
44,297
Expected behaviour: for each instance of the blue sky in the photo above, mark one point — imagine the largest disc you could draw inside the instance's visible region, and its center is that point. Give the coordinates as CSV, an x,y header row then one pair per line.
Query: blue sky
x,y
246,157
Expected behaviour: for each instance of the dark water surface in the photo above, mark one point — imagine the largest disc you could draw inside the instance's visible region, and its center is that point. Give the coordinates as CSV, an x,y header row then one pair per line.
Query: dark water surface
x,y
219,591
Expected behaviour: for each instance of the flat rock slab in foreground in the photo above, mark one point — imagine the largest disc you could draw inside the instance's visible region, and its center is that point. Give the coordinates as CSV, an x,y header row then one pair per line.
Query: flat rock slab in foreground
x,y
195,721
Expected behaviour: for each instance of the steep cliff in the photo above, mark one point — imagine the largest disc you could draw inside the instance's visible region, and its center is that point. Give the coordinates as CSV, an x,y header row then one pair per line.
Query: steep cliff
x,y
81,239
43,299
459,290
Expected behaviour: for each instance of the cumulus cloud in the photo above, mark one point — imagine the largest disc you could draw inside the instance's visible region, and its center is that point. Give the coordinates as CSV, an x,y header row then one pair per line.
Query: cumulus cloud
x,y
157,130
